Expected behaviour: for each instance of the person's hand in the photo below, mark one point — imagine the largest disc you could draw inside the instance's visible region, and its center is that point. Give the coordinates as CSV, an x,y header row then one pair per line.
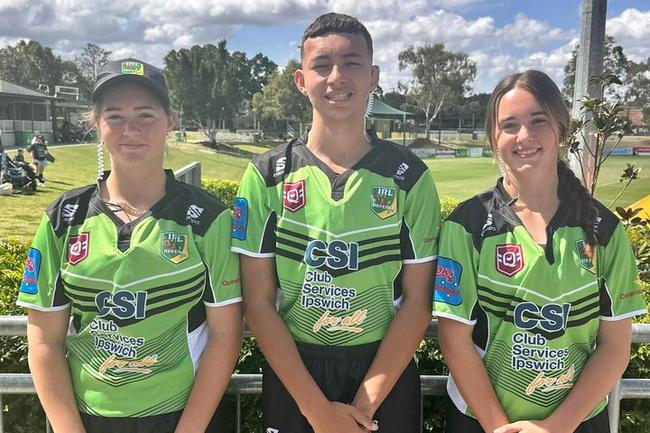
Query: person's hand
x,y
529,427
341,418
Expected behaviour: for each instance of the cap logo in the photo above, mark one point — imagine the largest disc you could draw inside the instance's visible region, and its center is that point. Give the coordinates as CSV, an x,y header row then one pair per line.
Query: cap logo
x,y
132,68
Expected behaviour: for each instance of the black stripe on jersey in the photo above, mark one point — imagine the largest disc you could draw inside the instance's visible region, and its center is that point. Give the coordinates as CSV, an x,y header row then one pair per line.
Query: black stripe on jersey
x,y
508,317
269,236
379,249
152,300
150,311
92,291
285,231
517,299
60,297
480,334
289,243
379,239
605,300
408,252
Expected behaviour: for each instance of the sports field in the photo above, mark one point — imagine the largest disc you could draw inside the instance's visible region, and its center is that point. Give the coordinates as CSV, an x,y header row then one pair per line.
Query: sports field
x,y
458,178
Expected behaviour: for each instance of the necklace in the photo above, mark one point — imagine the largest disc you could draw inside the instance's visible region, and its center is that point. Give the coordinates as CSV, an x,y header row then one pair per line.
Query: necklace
x,y
126,208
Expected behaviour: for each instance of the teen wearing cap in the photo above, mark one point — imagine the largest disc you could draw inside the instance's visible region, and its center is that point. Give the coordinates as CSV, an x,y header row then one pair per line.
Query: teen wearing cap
x,y
536,282
136,270
347,224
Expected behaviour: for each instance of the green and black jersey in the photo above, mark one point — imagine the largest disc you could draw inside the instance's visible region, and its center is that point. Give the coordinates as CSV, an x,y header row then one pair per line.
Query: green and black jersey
x,y
535,309
137,294
339,240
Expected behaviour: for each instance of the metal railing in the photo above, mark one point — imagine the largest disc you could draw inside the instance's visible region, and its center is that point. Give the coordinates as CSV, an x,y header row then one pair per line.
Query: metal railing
x,y
191,173
244,384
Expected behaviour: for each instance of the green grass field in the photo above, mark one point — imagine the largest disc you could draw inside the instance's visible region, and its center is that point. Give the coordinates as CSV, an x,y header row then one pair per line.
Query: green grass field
x,y
457,178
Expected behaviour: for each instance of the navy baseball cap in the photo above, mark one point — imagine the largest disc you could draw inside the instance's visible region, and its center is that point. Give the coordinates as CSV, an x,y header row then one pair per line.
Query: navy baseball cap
x,y
134,70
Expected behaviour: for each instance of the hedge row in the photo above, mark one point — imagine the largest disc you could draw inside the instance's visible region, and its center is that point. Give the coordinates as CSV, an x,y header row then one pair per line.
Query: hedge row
x,y
24,414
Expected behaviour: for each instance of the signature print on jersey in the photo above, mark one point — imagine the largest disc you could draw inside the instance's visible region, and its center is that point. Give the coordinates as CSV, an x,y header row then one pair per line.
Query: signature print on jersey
x,y
510,259
383,201
106,335
293,196
78,247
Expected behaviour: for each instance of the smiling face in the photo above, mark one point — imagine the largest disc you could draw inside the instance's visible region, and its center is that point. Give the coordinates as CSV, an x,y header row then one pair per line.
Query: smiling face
x,y
133,125
525,136
337,76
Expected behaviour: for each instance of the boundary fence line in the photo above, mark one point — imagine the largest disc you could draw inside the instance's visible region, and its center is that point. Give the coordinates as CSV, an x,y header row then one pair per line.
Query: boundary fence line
x,y
246,384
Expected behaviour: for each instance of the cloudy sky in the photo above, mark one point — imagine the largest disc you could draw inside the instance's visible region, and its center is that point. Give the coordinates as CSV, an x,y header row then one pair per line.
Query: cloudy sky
x,y
500,35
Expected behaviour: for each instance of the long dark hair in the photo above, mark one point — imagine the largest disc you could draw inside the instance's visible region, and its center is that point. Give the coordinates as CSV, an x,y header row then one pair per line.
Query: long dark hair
x,y
547,94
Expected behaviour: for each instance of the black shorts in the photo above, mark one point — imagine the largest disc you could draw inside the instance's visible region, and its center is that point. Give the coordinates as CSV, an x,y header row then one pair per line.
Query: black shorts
x,y
164,423
339,371
458,422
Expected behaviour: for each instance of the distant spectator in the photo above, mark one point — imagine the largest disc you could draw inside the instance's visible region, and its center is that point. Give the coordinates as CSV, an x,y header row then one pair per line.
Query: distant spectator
x,y
20,156
38,148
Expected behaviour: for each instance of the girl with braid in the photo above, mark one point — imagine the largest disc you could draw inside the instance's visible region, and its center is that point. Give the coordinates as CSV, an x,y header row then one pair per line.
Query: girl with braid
x,y
536,284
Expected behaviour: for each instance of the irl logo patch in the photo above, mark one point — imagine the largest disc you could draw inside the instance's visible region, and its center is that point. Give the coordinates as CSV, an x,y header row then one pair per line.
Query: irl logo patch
x,y
29,283
383,201
174,247
585,261
240,218
447,282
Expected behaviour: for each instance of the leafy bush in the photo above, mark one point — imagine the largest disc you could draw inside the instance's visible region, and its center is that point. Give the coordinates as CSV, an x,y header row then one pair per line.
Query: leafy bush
x,y
22,413
224,190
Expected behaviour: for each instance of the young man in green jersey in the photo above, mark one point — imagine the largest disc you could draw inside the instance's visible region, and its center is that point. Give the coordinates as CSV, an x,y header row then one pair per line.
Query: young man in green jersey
x,y
346,225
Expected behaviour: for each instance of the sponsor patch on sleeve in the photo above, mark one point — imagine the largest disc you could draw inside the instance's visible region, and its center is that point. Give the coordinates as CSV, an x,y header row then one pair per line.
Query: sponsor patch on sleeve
x,y
239,218
29,283
447,282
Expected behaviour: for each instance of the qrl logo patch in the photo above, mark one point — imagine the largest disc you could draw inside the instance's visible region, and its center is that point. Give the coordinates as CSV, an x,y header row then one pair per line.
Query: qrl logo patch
x,y
174,247
510,259
293,196
78,247
384,201
132,68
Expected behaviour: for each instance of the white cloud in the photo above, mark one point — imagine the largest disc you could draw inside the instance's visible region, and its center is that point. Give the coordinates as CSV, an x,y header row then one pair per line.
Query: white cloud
x,y
529,33
150,28
632,31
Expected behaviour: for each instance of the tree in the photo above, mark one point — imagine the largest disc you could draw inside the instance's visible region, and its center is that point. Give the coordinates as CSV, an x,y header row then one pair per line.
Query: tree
x,y
439,77
91,59
30,64
280,98
253,74
394,99
203,85
638,87
614,61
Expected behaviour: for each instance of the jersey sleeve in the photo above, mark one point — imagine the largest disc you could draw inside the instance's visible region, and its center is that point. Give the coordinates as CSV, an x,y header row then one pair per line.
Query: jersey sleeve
x,y
455,293
253,220
223,283
41,287
621,295
419,238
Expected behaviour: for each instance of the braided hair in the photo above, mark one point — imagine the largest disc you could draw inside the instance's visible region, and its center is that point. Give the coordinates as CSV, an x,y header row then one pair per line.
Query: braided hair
x,y
547,94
